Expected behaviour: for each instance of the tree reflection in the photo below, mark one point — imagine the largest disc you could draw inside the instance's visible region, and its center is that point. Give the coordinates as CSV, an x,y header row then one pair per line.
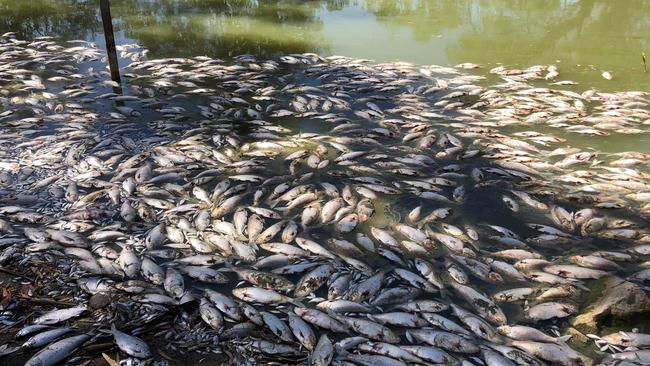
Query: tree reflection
x,y
223,28
426,18
60,18
484,31
520,31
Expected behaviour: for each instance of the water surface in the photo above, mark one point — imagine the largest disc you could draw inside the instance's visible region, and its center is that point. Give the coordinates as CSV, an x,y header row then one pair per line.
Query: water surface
x,y
583,38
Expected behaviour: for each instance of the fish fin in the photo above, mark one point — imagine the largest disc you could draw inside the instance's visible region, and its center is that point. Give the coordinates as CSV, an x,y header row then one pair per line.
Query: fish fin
x,y
5,350
563,339
340,352
409,337
581,286
332,314
444,293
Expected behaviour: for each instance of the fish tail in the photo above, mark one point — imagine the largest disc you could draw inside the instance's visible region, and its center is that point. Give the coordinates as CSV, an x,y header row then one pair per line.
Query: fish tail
x,y
444,292
298,302
563,339
581,286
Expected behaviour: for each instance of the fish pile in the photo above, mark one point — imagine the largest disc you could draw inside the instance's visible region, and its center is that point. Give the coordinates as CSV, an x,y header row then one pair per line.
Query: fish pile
x,y
318,210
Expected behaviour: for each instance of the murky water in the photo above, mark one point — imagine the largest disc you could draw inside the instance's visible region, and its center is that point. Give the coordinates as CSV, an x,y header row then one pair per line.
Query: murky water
x,y
583,38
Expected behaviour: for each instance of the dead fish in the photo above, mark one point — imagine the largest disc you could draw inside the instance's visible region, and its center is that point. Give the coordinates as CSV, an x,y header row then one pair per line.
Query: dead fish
x,y
130,345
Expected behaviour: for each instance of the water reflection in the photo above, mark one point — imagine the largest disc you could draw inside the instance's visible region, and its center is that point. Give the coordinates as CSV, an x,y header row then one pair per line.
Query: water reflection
x,y
603,33
427,19
223,28
610,35
66,19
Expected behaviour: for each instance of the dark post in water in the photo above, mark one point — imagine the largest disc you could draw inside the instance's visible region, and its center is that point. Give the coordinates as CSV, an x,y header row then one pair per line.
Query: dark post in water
x,y
105,9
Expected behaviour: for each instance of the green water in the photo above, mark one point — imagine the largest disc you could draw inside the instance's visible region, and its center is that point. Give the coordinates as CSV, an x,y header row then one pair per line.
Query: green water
x,y
583,38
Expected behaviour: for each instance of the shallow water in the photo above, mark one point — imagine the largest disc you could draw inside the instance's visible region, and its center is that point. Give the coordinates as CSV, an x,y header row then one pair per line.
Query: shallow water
x,y
519,34
583,38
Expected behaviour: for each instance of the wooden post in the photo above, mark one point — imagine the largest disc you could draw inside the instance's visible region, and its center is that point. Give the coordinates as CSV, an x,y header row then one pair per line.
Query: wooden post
x,y
105,9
